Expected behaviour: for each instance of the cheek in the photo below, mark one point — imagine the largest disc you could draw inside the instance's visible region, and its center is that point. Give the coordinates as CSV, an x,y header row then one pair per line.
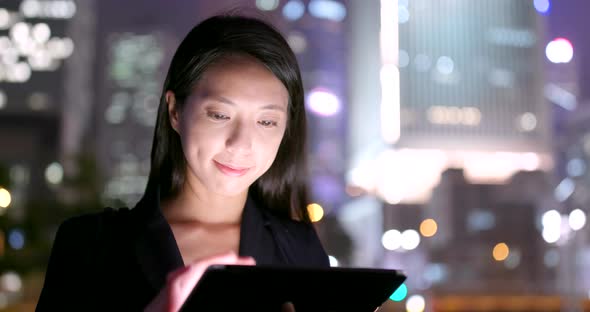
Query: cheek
x,y
270,148
198,141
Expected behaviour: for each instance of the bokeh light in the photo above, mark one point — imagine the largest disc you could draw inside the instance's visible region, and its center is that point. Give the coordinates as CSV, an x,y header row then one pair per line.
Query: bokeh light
x,y
293,10
267,5
54,173
559,50
323,102
16,239
501,252
315,211
428,228
327,9
410,239
400,293
5,198
577,219
542,6
392,239
415,303
11,281
333,261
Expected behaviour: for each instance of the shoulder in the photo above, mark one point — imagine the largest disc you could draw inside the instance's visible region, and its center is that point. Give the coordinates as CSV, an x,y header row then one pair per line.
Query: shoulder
x,y
303,240
85,228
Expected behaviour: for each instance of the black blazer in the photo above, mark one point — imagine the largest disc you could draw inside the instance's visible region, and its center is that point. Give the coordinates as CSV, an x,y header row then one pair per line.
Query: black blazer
x,y
118,260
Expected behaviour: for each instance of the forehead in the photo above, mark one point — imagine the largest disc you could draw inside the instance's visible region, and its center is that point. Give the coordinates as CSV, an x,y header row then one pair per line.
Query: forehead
x,y
241,79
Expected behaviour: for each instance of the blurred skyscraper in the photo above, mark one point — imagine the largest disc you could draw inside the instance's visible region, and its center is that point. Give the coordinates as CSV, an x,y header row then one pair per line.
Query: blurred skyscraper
x,y
471,76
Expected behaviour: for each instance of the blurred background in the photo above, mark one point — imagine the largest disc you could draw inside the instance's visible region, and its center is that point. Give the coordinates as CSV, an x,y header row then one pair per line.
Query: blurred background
x,y
449,138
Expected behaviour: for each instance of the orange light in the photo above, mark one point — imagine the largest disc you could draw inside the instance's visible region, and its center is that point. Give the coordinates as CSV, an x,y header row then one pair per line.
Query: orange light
x,y
315,211
501,252
428,228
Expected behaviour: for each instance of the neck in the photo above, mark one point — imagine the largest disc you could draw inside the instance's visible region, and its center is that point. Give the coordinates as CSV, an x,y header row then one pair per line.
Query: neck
x,y
197,205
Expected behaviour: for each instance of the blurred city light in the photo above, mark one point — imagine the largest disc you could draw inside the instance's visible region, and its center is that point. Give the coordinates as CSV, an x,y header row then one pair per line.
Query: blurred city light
x,y
333,261
57,9
392,239
4,18
20,32
480,220
297,42
395,177
267,5
422,62
542,6
400,293
519,38
501,78
403,14
564,189
11,281
436,273
551,221
559,50
410,239
40,33
428,228
551,258
293,10
415,303
323,102
576,167
403,58
513,259
453,115
551,235
54,173
16,239
577,219
445,65
560,96
527,122
390,101
501,252
315,211
327,9
551,218
5,198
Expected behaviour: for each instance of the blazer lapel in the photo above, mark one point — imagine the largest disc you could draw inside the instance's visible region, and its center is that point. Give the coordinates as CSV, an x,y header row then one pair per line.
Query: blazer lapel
x,y
156,250
257,236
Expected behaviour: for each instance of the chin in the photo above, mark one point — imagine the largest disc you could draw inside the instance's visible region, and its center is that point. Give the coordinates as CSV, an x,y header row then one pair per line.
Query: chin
x,y
230,190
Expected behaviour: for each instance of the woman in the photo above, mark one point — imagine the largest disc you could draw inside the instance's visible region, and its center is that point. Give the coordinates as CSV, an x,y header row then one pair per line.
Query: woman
x,y
227,182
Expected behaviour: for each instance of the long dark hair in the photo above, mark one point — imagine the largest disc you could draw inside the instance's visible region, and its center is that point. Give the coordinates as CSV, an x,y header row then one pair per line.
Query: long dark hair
x,y
283,188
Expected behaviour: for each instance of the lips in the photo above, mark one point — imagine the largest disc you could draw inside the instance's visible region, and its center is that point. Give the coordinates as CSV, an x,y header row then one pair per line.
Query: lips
x,y
230,170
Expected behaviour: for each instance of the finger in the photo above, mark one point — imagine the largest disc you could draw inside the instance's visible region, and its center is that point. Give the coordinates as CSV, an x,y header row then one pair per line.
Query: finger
x,y
182,281
287,307
246,261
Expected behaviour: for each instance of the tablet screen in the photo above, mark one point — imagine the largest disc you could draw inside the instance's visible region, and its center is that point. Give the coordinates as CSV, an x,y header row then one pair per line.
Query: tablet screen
x,y
267,288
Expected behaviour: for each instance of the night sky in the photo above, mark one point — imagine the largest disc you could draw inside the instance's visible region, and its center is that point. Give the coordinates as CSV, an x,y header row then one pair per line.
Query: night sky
x,y
570,19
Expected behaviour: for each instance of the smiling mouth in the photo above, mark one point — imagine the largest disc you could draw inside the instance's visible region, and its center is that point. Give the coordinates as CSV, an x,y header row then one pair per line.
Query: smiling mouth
x,y
230,170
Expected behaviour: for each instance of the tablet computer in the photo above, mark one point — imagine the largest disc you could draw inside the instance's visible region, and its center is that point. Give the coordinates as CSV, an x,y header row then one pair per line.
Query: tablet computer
x,y
267,288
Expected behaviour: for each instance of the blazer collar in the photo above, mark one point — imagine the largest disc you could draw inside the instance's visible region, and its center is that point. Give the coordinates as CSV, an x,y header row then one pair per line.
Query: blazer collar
x,y
157,252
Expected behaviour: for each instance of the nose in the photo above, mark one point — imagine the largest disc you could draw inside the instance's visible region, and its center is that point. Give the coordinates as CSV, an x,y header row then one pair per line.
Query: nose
x,y
240,139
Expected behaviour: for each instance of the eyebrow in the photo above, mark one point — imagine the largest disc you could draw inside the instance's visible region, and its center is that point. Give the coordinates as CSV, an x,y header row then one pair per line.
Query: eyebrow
x,y
269,106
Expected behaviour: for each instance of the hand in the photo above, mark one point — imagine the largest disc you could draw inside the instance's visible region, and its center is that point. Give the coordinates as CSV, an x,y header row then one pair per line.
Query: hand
x,y
181,282
287,307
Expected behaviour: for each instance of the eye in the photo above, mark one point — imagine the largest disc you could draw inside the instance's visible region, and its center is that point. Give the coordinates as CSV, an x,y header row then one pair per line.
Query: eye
x,y
268,123
217,116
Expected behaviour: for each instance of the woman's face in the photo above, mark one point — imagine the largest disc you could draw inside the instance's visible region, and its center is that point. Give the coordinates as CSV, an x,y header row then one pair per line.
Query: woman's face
x,y
231,125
